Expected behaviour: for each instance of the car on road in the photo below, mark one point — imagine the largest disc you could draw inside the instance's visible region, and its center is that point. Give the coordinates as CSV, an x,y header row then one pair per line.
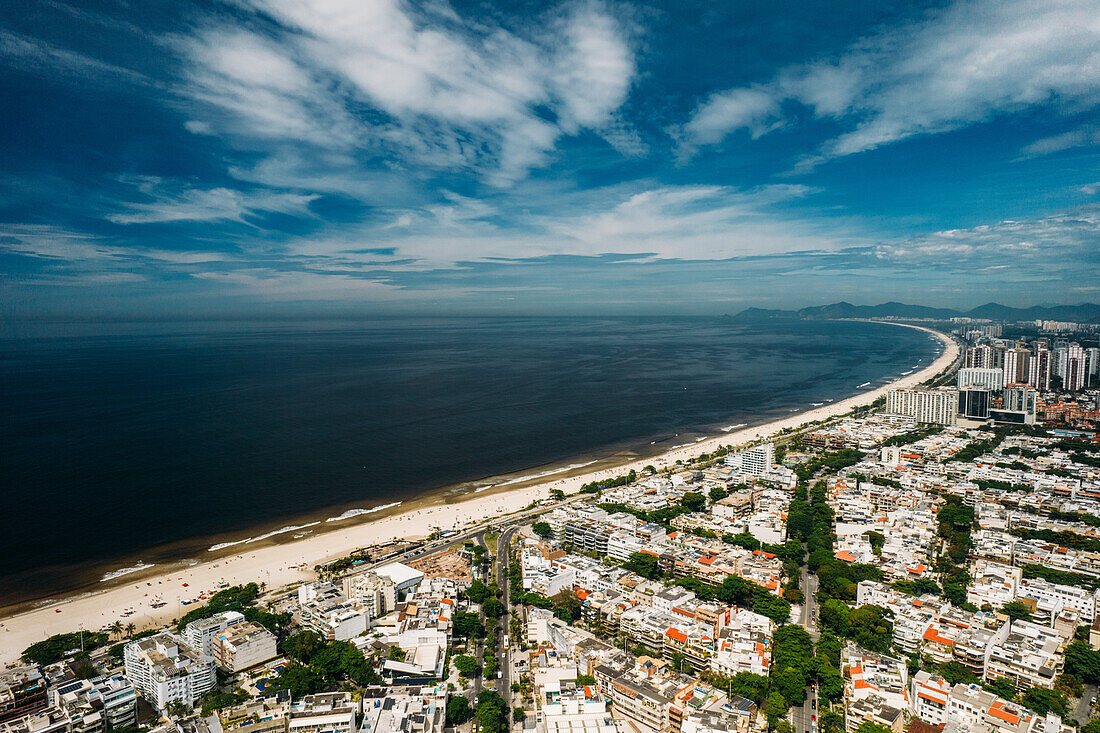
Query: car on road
x,y
813,703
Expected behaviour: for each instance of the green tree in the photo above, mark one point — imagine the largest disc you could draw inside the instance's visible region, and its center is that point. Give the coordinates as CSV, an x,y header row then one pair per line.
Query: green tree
x,y
1017,611
693,501
776,707
298,680
493,608
467,624
543,530
746,540
478,592
1083,662
492,715
869,727
302,646
518,714
1093,726
791,684
458,710
871,628
832,721
774,607
1043,701
1000,687
717,494
792,647
467,666
567,606
644,564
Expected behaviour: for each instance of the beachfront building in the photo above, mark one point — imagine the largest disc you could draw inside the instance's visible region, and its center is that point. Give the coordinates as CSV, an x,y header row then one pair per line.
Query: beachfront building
x,y
165,669
201,634
978,378
242,646
324,609
755,461
931,406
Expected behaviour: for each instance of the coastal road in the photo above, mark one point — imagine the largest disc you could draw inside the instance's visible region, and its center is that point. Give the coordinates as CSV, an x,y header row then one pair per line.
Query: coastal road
x,y
497,523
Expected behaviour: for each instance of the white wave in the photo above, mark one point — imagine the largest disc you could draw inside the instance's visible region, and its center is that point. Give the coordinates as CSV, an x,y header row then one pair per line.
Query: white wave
x,y
865,384
533,476
733,427
908,372
699,439
124,571
290,528
359,512
817,404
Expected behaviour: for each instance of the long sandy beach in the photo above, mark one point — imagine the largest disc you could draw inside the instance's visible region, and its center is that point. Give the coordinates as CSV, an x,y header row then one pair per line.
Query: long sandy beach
x,y
291,562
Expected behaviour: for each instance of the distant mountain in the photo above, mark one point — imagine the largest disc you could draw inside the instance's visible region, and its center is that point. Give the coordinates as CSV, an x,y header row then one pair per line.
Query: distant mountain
x,y
1081,313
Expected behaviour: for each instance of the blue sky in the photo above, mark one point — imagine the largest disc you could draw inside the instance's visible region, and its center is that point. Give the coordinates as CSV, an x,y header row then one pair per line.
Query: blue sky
x,y
354,156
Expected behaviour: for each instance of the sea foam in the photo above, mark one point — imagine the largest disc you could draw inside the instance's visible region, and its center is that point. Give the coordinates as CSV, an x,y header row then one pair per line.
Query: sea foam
x,y
125,571
359,512
289,528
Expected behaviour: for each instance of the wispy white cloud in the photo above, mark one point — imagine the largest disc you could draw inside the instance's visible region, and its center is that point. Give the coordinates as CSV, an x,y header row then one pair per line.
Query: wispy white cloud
x,y
1042,244
88,251
963,65
35,53
167,202
1079,137
438,90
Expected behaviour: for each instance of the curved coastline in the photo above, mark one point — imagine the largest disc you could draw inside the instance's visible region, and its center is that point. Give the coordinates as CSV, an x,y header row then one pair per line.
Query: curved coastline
x,y
283,563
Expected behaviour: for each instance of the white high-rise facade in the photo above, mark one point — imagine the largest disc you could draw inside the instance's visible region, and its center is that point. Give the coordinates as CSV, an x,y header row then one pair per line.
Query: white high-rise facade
x,y
756,460
976,378
1038,372
1016,365
936,407
1076,375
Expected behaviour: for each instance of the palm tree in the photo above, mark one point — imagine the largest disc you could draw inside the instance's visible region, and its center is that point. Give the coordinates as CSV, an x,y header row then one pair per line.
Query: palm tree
x,y
130,628
116,629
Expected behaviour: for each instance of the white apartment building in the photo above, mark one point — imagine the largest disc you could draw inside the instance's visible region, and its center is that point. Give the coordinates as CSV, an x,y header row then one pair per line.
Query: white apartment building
x,y
97,704
329,712
327,611
165,669
930,697
978,378
565,708
243,646
377,593
936,407
202,633
1057,597
993,584
755,461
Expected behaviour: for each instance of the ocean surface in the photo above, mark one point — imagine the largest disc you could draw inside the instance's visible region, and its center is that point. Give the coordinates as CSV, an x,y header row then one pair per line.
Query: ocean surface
x,y
154,442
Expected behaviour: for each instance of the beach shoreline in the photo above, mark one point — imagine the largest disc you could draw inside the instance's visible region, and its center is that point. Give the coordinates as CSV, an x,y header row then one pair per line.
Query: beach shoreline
x,y
282,563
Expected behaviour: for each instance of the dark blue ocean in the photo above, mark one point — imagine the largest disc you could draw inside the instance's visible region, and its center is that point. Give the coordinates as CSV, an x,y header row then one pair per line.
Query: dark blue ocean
x,y
153,441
